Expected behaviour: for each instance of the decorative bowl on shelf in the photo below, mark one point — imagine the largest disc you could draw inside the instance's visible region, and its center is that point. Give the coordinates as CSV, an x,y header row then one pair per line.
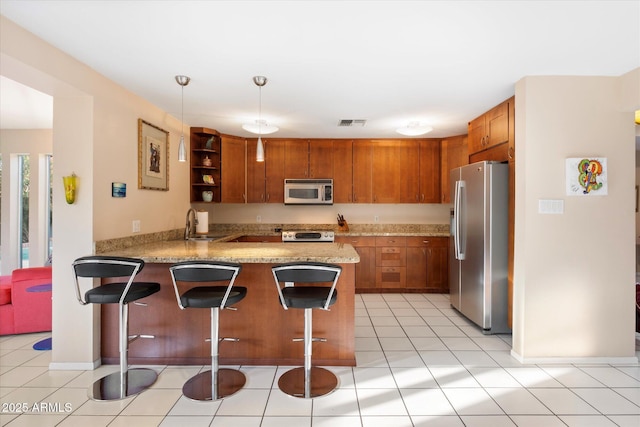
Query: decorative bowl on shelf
x,y
206,161
207,196
208,179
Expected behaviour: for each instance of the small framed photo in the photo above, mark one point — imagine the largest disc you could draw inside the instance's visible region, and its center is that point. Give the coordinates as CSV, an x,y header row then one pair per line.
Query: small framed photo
x,y
153,157
118,189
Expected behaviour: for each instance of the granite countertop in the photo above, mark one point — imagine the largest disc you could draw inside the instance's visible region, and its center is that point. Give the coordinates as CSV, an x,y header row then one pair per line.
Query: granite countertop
x,y
172,251
157,243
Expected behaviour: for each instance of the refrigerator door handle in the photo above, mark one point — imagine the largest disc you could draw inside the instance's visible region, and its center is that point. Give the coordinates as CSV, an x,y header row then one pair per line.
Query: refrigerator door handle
x,y
459,240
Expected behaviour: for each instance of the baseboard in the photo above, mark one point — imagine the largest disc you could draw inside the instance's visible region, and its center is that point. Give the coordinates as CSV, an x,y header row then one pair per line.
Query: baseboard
x,y
74,366
575,360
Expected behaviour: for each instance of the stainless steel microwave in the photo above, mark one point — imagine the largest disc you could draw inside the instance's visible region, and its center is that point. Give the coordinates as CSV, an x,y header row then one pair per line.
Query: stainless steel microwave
x,y
308,191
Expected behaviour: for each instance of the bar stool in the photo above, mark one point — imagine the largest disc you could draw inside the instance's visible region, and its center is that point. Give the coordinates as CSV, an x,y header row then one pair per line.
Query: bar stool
x,y
126,382
307,381
216,383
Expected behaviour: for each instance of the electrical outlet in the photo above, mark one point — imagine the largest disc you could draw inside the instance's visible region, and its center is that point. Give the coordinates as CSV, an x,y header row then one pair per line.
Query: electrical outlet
x,y
376,218
136,225
258,218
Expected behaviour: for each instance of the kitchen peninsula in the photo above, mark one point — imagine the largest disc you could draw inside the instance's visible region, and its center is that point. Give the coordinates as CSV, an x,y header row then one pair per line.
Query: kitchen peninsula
x,y
265,330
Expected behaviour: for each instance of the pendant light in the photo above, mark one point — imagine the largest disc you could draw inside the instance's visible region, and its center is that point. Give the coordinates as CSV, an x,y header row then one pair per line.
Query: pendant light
x,y
260,127
182,151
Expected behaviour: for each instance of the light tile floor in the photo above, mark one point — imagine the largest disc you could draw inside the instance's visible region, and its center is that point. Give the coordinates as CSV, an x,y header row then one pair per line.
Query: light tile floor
x,y
419,363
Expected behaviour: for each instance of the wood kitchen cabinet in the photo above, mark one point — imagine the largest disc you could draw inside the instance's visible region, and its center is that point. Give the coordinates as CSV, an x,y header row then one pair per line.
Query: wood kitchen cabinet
x,y
429,171
256,175
233,169
342,171
265,180
205,163
362,171
308,159
428,264
396,171
400,263
490,129
366,268
386,170
274,154
296,158
391,262
453,154
410,177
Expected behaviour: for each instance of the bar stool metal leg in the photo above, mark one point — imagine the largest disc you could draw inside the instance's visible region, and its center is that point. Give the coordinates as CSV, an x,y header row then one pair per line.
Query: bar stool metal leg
x,y
216,383
308,381
126,382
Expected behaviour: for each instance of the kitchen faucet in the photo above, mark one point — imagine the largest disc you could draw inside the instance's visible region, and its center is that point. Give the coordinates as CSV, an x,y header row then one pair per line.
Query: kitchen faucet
x,y
189,225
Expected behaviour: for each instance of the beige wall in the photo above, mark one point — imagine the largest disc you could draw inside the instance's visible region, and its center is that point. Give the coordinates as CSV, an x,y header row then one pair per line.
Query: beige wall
x,y
275,213
95,136
574,272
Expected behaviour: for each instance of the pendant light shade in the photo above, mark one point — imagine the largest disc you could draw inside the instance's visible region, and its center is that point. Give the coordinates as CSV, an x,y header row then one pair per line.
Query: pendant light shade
x,y
260,126
259,151
182,150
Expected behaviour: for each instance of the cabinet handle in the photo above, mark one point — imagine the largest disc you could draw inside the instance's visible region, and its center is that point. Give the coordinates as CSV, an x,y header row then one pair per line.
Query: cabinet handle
x,y
510,152
425,241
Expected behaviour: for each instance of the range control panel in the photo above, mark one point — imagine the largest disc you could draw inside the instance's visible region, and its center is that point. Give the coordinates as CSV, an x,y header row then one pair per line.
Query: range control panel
x,y
308,236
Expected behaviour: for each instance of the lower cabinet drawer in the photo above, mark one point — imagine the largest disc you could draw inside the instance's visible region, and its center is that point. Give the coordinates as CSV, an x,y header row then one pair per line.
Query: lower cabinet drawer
x,y
391,257
391,277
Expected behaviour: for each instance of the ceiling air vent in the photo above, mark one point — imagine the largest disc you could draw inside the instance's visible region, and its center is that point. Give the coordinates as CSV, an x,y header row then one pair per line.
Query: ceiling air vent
x,y
352,122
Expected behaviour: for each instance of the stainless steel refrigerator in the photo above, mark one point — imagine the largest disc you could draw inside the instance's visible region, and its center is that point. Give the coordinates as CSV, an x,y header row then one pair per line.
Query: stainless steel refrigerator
x,y
478,246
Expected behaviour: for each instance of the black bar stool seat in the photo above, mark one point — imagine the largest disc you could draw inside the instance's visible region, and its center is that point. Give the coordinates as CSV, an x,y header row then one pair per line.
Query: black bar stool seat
x,y
217,382
126,382
293,281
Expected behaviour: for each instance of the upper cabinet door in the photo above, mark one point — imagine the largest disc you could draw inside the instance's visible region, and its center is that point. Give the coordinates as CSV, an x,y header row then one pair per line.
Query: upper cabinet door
x,y
233,169
362,169
256,175
430,171
342,171
274,150
409,160
453,154
386,171
296,159
321,159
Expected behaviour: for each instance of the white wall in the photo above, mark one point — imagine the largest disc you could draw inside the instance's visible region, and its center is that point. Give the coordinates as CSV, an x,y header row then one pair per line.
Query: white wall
x,y
36,144
574,273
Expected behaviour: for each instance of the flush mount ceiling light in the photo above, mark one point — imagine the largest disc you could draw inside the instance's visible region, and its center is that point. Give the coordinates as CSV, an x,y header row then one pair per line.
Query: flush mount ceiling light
x,y
260,126
414,129
182,151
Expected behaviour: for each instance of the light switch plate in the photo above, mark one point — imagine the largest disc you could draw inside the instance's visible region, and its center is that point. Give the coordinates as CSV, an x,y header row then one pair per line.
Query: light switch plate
x,y
550,206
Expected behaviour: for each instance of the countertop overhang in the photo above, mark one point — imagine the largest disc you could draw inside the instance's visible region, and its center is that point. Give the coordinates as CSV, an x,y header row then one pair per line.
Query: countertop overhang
x,y
172,251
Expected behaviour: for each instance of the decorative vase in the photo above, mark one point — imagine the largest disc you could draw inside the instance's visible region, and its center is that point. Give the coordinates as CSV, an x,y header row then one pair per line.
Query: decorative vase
x,y
70,184
207,196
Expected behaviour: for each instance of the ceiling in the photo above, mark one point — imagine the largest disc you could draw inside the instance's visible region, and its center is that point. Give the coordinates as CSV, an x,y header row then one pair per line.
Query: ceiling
x,y
441,63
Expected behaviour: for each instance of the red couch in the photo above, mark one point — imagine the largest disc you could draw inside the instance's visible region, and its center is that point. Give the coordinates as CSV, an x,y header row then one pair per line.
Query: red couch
x,y
23,310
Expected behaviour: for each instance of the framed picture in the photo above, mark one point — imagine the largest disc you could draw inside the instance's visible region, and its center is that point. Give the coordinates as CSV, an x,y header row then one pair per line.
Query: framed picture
x,y
153,157
118,189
